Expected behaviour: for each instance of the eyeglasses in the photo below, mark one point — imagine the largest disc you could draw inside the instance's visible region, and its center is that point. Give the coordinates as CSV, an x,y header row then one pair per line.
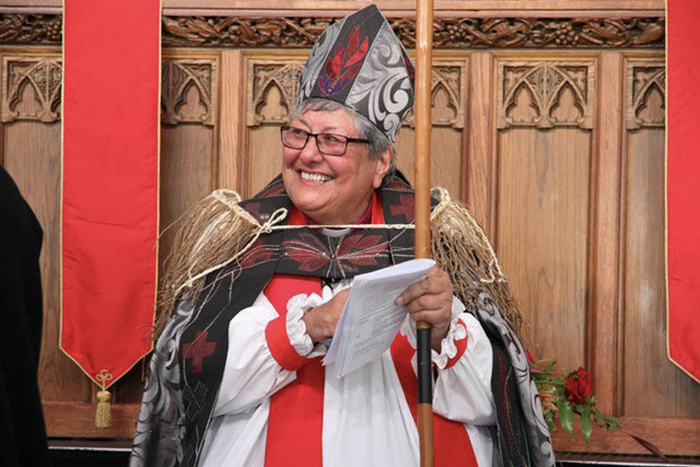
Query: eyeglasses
x,y
327,143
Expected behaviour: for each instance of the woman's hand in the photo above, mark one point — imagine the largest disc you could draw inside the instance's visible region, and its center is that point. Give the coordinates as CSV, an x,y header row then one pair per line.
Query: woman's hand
x,y
430,300
321,321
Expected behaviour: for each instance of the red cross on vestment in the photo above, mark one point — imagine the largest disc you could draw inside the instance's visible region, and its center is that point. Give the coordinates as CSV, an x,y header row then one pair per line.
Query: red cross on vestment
x,y
198,350
406,208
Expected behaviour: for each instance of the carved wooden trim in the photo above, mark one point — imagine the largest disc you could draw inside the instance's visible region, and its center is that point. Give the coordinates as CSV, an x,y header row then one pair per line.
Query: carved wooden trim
x,y
31,29
460,33
643,79
543,84
31,77
181,77
282,76
295,32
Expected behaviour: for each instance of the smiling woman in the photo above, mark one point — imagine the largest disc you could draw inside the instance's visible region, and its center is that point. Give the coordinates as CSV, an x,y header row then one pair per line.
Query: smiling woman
x,y
332,189
237,377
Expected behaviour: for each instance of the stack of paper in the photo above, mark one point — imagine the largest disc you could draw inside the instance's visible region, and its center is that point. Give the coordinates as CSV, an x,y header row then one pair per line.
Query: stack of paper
x,y
370,319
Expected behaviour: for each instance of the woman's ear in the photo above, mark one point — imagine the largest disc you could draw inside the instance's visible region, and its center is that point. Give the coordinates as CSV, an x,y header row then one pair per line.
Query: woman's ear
x,y
383,164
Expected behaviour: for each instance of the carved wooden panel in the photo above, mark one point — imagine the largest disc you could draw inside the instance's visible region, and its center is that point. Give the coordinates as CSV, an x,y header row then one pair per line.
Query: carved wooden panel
x,y
31,88
546,94
542,234
189,91
272,91
646,94
448,90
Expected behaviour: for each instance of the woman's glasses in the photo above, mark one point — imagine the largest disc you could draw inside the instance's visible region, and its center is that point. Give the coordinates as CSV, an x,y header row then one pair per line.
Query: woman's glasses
x,y
327,143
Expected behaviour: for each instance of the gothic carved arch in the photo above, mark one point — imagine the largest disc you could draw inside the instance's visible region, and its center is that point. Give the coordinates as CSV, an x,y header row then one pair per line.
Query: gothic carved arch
x,y
546,94
646,95
268,78
448,81
189,91
31,88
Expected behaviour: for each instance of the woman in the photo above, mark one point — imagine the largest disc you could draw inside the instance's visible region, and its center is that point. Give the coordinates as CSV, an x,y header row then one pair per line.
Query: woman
x,y
336,189
332,182
237,377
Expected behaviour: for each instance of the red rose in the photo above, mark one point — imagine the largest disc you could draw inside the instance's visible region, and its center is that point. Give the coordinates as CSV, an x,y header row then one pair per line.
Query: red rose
x,y
578,386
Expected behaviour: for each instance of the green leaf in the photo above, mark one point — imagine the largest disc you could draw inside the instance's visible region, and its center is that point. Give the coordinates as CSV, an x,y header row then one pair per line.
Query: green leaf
x,y
599,419
612,423
566,417
548,368
586,424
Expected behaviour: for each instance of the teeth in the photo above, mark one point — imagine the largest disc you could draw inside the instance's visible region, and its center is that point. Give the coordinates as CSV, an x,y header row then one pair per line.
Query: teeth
x,y
315,177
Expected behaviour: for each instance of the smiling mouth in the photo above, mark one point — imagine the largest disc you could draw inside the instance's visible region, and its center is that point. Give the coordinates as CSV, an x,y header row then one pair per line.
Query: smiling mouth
x,y
318,178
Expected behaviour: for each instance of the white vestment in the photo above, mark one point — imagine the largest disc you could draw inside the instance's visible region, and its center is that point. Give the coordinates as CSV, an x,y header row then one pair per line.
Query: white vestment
x,y
366,419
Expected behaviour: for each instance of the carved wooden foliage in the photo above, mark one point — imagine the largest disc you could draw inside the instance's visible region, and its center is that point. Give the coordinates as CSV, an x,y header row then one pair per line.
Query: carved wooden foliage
x,y
457,32
30,28
31,88
189,91
454,33
646,95
537,32
546,94
272,93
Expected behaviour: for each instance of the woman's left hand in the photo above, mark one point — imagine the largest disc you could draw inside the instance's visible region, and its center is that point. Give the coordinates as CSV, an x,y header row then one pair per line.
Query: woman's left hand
x,y
430,300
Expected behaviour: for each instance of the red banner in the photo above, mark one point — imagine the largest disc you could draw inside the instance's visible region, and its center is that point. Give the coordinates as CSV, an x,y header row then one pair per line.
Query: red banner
x,y
109,206
683,185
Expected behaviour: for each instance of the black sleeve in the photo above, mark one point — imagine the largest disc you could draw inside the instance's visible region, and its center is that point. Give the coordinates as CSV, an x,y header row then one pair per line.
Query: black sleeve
x,y
22,429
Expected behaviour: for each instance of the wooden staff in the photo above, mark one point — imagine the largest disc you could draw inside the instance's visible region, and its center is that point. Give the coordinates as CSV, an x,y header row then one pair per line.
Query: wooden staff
x,y
424,63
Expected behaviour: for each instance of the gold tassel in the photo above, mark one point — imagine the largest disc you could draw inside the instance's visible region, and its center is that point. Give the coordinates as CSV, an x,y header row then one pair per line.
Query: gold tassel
x,y
103,415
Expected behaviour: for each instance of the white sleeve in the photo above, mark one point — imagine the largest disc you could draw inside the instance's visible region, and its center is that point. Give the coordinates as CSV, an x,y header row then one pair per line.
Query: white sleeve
x,y
251,373
462,390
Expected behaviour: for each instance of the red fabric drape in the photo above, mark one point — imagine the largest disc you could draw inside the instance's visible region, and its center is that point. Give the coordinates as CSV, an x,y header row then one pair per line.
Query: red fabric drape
x,y
683,185
109,208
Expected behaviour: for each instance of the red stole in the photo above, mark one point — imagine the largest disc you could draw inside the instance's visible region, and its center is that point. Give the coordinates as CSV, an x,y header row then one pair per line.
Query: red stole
x,y
295,423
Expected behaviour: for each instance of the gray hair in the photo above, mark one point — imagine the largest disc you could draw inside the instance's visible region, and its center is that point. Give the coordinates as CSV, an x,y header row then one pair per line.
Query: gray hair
x,y
378,141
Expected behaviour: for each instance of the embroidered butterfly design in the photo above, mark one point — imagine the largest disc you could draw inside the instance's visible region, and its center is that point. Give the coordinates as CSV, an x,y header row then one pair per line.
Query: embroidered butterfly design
x,y
349,255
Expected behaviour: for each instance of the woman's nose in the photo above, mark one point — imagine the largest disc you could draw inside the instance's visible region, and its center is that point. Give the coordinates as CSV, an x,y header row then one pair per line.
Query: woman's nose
x,y
310,152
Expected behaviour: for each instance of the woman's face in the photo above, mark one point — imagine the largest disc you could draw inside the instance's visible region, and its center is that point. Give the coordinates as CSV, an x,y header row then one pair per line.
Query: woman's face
x,y
331,189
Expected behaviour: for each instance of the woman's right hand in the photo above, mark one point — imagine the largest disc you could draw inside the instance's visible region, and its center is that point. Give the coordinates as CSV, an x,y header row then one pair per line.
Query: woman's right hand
x,y
321,321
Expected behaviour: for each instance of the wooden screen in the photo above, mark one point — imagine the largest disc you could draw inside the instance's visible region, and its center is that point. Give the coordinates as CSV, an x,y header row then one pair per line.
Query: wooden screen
x,y
550,128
